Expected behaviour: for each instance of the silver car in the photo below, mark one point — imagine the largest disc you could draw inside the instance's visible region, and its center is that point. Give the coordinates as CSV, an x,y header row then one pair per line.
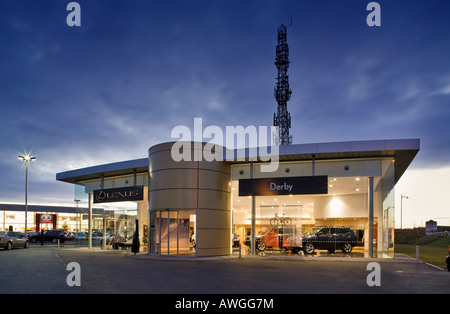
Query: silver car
x,y
10,239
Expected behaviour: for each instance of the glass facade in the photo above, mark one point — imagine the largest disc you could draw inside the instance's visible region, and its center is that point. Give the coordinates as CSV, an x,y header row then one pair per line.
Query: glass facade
x,y
388,198
15,220
332,224
113,224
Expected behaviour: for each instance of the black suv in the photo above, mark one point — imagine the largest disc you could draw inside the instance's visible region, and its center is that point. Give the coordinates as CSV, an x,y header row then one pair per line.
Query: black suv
x,y
329,238
50,235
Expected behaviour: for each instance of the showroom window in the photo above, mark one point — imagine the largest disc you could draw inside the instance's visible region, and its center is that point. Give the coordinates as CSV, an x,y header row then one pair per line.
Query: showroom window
x,y
113,224
334,223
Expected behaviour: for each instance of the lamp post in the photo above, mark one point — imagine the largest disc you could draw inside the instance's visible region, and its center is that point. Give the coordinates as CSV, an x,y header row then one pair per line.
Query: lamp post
x,y
27,158
401,209
78,215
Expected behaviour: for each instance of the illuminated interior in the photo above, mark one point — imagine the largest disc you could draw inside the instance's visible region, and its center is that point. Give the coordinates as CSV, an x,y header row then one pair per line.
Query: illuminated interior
x,y
280,217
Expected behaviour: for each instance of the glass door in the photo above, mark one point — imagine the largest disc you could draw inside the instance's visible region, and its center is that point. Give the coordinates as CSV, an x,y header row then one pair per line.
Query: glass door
x,y
186,232
164,232
172,232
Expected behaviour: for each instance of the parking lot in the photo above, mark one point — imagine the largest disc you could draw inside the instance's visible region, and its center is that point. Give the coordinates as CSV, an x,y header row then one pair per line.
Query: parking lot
x,y
42,269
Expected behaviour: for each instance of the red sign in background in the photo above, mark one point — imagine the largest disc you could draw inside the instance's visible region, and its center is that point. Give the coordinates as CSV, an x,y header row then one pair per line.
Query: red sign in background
x,y
45,218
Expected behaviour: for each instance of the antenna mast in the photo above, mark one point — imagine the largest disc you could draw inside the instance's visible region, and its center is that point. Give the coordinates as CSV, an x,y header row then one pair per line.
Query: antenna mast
x,y
282,92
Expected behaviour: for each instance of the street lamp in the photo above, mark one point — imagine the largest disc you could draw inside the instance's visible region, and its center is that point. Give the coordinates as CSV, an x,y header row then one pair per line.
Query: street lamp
x,y
78,214
27,158
401,209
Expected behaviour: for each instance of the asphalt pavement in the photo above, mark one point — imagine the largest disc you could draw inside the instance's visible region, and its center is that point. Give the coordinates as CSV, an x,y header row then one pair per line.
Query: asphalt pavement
x,y
43,270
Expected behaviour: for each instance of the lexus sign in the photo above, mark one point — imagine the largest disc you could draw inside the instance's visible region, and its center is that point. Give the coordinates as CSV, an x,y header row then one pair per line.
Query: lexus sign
x,y
125,194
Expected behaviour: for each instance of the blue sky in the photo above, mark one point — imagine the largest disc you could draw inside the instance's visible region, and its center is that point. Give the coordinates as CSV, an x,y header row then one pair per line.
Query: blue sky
x,y
112,88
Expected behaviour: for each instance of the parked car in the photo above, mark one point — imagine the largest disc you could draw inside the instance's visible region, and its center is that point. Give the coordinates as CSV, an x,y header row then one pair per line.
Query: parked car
x,y
280,237
98,237
70,236
117,241
329,238
79,235
32,234
50,235
13,239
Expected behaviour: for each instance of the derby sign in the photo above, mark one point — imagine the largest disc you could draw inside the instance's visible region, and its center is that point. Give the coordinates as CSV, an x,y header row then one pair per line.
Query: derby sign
x,y
284,186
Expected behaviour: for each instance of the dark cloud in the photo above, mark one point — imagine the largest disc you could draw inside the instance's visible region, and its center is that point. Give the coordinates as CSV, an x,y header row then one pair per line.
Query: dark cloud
x,y
112,88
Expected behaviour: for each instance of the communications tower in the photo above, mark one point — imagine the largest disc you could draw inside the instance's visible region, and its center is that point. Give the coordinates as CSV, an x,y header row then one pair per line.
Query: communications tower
x,y
282,92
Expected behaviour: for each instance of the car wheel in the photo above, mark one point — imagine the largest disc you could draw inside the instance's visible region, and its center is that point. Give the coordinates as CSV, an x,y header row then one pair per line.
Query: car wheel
x,y
347,248
33,240
55,240
27,244
309,248
8,246
261,246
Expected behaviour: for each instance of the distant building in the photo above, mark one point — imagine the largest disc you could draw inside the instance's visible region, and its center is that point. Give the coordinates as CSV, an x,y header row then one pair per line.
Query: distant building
x,y
443,229
431,227
410,231
12,217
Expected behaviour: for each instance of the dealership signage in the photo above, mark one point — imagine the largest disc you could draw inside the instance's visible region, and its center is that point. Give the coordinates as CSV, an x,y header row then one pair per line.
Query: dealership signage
x,y
125,194
284,186
46,218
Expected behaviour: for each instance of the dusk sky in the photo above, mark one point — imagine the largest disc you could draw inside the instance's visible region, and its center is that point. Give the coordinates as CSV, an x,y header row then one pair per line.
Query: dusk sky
x,y
111,88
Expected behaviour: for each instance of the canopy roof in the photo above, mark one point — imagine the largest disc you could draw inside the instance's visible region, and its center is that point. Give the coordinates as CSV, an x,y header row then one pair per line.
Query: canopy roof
x,y
402,150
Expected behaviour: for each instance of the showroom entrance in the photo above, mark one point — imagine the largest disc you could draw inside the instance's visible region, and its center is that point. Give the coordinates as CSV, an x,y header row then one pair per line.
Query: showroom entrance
x,y
173,232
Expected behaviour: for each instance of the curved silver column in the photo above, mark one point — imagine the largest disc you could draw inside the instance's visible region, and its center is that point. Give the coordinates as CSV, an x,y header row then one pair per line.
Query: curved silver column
x,y
203,186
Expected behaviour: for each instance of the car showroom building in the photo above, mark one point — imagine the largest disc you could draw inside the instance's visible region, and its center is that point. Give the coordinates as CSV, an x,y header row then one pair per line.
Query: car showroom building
x,y
12,217
343,191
